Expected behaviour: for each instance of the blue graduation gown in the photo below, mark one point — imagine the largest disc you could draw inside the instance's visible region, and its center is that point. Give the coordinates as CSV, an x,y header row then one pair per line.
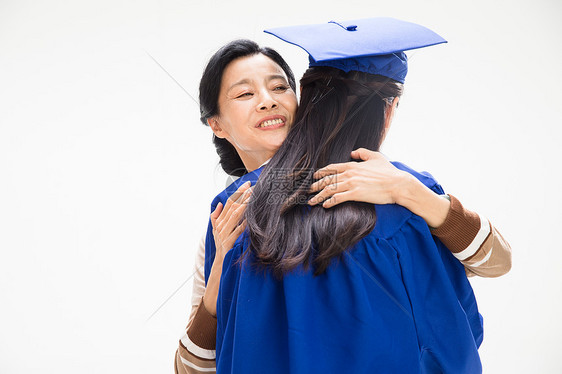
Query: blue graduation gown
x,y
397,302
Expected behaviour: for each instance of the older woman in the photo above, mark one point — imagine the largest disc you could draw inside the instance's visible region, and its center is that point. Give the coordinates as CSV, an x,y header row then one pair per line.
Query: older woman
x,y
247,98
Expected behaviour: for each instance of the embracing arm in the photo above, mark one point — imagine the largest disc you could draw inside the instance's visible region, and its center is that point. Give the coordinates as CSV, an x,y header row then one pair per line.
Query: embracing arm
x,y
471,238
196,352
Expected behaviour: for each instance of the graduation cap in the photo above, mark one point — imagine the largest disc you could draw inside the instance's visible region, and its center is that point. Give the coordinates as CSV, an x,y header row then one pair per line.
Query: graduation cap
x,y
371,45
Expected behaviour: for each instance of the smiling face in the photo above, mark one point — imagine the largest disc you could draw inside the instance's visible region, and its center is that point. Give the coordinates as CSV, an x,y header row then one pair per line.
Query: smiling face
x,y
256,108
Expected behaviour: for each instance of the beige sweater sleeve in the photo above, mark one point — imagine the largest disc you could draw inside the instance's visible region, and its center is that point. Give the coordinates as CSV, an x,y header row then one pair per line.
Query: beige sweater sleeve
x,y
474,241
196,351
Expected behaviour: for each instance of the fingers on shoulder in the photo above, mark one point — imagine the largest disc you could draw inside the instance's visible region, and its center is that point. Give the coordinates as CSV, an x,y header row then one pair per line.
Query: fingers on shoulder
x,y
333,169
338,198
365,154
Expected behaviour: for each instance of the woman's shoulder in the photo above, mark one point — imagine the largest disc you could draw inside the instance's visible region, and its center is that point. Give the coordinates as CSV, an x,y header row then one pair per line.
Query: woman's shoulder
x,y
391,218
232,187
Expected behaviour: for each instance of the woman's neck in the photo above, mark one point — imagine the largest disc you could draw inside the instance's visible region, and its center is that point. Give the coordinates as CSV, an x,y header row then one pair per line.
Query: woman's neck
x,y
253,163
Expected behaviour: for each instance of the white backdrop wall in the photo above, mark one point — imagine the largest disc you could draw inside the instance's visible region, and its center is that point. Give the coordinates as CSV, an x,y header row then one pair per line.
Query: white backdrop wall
x,y
106,174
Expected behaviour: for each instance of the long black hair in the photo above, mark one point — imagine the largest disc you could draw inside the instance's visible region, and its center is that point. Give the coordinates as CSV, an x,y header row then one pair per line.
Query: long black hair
x,y
209,88
338,112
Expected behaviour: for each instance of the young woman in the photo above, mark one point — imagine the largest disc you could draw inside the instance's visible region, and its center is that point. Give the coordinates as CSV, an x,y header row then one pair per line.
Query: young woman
x,y
247,98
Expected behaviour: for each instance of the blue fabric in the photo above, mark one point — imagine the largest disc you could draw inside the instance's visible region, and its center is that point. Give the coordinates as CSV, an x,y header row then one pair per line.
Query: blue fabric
x,y
397,302
393,66
372,45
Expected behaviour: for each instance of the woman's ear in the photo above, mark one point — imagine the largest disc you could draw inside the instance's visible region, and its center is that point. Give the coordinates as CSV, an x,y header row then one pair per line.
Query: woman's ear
x,y
389,115
215,126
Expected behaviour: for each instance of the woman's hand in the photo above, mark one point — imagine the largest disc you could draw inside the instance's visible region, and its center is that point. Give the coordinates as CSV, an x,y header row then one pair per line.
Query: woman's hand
x,y
375,180
227,227
226,222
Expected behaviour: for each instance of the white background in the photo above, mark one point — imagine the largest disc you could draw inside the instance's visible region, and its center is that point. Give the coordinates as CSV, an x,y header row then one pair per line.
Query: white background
x,y
106,173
